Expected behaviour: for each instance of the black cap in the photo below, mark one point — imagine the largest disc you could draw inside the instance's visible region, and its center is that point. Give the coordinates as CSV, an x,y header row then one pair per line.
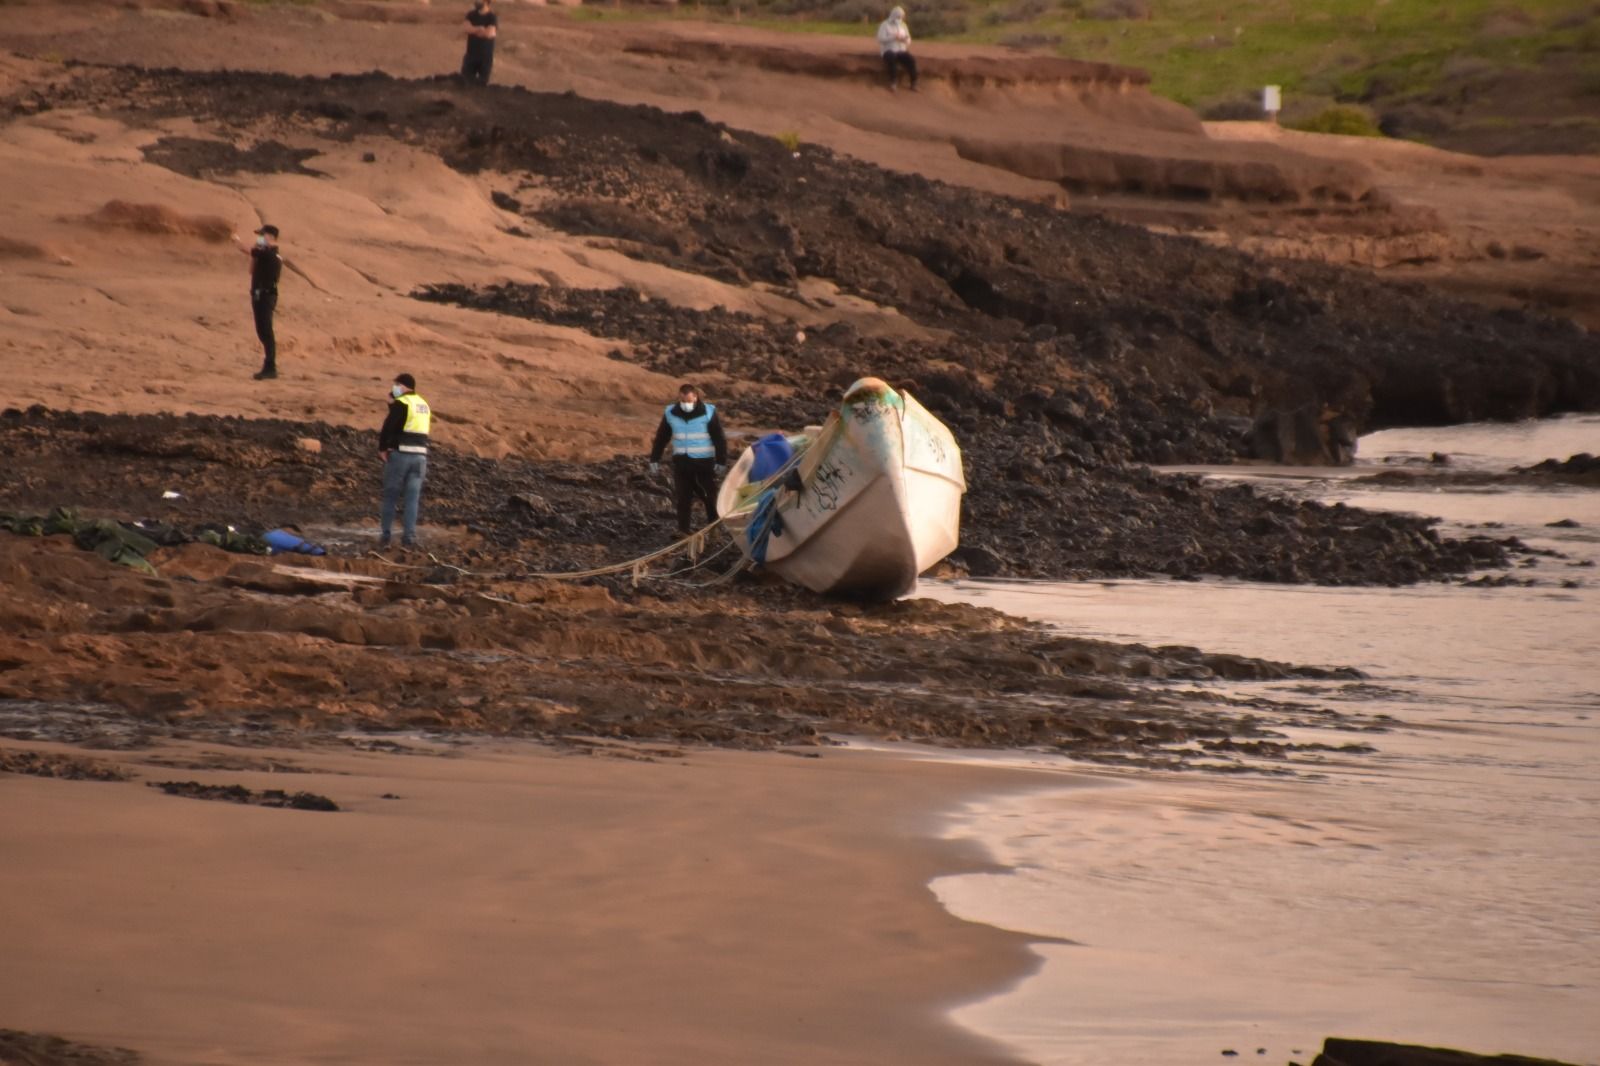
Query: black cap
x,y
405,379
270,231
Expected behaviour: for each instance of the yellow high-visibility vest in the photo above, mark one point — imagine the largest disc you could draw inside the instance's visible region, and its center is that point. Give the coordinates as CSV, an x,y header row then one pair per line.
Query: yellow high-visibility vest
x,y
419,419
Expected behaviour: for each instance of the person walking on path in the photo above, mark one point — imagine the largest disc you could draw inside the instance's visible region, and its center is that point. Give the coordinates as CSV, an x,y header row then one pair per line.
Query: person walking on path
x,y
482,26
403,446
894,41
266,266
699,454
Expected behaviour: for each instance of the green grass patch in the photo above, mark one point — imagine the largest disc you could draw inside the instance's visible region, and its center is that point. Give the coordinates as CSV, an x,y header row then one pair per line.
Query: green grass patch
x,y
1202,51
1341,119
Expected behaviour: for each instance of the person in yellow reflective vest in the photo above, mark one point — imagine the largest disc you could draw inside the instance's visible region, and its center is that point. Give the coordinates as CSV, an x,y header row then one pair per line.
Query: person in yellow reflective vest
x,y
403,446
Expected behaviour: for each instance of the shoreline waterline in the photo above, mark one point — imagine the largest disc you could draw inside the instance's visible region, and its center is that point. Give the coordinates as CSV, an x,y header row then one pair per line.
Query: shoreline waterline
x,y
1437,890
1434,891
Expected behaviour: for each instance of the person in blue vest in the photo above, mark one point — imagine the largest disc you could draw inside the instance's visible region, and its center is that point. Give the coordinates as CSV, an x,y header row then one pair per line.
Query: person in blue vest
x,y
699,453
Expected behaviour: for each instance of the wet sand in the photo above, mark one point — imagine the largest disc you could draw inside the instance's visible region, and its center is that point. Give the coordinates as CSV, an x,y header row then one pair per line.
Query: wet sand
x,y
511,905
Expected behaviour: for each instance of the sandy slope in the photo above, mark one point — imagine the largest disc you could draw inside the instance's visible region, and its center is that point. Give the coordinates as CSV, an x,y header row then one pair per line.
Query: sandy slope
x,y
1507,230
96,313
986,117
161,321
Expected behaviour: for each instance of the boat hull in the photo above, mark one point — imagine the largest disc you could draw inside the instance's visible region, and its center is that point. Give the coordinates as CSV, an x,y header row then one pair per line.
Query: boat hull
x,y
879,500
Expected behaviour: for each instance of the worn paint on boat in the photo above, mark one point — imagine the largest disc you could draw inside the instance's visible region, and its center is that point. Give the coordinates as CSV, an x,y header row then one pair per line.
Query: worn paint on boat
x,y
878,499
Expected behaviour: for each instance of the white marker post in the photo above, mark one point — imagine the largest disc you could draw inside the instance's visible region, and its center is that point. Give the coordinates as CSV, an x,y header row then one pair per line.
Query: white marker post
x,y
1271,101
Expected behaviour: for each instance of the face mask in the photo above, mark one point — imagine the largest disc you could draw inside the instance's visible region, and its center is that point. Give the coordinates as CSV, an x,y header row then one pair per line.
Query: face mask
x,y
685,406
398,391
261,242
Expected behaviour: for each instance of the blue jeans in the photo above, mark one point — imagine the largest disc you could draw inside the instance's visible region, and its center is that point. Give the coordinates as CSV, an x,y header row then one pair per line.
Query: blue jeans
x,y
403,473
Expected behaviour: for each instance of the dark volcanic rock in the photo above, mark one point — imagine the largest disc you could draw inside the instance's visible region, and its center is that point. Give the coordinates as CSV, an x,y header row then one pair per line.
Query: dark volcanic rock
x,y
1029,511
40,1049
754,665
1048,492
1302,437
1337,1051
58,765
272,797
1063,349
1583,468
193,157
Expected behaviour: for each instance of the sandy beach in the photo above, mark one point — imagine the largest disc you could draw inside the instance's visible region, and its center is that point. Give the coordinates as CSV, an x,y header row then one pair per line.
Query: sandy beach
x,y
508,904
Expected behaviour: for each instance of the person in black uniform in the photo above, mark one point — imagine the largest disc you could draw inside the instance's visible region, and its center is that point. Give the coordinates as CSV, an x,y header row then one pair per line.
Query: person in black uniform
x,y
266,265
482,25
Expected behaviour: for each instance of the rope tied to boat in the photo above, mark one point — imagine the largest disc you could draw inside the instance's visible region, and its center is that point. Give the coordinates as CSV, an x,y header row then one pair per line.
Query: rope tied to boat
x,y
766,524
693,545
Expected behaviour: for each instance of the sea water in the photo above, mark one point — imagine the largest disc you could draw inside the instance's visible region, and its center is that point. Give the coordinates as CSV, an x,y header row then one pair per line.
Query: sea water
x,y
1444,890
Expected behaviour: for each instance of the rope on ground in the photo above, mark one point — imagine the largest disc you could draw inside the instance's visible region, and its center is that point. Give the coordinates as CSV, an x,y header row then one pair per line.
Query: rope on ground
x,y
738,568
418,566
390,562
636,566
695,564
694,544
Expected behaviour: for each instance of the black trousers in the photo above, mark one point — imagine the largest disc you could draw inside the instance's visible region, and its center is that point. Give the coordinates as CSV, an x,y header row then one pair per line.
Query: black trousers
x,y
893,61
476,64
691,479
263,302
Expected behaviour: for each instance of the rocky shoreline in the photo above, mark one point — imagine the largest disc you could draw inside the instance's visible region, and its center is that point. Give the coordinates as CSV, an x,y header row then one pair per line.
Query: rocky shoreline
x,y
1066,352
1039,515
289,650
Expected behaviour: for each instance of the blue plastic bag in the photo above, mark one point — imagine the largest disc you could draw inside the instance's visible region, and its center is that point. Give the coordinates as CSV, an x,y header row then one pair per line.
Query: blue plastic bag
x,y
772,451
281,540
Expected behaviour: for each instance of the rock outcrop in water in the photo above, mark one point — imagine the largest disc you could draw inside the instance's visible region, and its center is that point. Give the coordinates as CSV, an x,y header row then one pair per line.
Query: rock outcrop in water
x,y
1582,469
42,1049
1304,436
1338,1051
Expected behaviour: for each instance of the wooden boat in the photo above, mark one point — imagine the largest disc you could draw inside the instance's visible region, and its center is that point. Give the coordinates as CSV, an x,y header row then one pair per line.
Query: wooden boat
x,y
864,504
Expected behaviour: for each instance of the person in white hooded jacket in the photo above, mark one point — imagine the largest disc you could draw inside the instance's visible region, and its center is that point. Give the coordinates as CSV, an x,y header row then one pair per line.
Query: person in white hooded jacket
x,y
894,41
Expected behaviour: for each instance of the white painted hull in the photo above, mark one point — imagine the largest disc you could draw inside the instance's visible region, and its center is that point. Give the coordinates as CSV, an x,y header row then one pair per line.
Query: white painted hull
x,y
880,500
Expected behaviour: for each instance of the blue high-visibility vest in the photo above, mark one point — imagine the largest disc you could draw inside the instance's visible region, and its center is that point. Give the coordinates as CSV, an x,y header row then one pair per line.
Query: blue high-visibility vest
x,y
691,436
